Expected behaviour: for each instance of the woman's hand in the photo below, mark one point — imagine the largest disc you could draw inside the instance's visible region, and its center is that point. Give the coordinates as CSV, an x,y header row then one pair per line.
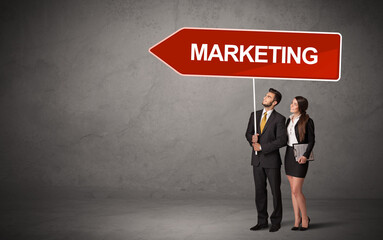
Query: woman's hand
x,y
302,160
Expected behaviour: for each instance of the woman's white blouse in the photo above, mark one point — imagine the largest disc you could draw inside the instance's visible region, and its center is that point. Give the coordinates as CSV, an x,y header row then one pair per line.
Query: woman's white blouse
x,y
291,130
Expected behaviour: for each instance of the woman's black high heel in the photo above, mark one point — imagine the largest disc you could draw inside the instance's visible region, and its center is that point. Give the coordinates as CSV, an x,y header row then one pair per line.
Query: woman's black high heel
x,y
294,228
303,228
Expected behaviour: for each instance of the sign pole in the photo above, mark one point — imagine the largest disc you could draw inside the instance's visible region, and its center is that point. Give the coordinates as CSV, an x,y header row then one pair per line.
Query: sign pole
x,y
255,116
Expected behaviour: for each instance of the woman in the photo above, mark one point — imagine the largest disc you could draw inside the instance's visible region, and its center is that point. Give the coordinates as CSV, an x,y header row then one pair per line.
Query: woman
x,y
300,129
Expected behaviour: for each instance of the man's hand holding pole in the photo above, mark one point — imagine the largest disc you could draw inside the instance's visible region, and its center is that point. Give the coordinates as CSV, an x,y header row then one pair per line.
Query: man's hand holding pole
x,y
255,144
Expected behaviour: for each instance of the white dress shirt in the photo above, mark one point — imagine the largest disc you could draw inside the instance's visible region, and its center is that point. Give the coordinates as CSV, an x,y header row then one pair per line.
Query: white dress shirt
x,y
292,139
267,116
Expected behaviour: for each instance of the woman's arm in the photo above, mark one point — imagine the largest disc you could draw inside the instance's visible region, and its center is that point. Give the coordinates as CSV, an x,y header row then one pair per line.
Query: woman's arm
x,y
310,137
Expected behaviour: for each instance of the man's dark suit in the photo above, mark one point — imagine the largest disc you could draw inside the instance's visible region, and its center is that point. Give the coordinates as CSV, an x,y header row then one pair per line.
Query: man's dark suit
x,y
267,164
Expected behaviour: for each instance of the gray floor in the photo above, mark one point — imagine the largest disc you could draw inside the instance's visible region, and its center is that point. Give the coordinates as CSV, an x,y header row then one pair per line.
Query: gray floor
x,y
101,215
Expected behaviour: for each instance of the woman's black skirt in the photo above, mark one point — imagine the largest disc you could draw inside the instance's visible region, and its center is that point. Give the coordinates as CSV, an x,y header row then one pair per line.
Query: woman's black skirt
x,y
292,167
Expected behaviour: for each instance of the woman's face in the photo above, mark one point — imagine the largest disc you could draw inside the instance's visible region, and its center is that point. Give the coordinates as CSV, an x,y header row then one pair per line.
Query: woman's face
x,y
294,106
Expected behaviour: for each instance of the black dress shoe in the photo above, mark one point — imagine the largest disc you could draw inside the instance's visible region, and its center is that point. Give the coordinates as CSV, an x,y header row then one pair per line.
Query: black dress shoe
x,y
294,228
274,228
303,228
259,227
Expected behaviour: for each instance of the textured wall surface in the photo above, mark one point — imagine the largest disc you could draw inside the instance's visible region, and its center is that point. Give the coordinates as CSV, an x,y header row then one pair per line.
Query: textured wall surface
x,y
84,104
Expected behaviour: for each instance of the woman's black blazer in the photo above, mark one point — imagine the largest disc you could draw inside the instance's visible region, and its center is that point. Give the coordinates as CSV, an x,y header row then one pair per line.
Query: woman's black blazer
x,y
309,136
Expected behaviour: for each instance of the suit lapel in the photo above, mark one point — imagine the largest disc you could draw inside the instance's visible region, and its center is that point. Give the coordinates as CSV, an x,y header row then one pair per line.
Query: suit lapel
x,y
287,122
271,118
259,113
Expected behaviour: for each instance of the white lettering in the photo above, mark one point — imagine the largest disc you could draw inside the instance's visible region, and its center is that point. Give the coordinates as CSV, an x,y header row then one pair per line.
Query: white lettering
x,y
246,52
313,57
257,54
297,57
283,54
275,48
232,54
261,54
194,50
215,52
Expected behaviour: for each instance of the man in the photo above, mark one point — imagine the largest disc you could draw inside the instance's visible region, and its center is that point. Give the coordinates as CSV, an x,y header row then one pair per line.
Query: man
x,y
271,135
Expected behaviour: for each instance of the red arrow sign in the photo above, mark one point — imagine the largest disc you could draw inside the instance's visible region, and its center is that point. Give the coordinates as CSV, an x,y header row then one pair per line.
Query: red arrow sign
x,y
252,53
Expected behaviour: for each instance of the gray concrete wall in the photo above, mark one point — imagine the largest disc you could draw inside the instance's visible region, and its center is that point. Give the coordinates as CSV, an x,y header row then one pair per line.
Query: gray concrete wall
x,y
84,104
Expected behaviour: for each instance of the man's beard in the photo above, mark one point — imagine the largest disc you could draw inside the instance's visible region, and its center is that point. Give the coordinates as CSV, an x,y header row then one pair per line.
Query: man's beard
x,y
266,105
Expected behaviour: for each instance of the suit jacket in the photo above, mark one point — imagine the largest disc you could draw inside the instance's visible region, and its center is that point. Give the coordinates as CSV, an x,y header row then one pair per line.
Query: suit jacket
x,y
309,135
273,137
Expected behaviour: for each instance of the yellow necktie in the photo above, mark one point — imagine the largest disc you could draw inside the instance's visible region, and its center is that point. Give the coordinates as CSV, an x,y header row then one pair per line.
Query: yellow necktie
x,y
263,122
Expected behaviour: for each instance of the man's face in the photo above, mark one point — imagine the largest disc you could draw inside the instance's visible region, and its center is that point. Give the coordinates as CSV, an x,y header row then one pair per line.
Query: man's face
x,y
268,100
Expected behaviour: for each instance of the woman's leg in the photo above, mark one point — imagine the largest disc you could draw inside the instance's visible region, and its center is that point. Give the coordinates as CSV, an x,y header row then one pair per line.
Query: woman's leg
x,y
295,203
301,200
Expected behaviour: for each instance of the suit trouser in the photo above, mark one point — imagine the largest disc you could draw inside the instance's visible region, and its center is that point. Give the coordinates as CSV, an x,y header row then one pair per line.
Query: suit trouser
x,y
274,177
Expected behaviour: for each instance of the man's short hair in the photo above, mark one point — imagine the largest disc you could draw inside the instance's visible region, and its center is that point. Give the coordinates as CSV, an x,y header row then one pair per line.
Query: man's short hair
x,y
278,95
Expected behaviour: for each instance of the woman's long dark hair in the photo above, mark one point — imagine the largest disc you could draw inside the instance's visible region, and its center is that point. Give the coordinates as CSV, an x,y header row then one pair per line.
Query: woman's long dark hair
x,y
303,104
